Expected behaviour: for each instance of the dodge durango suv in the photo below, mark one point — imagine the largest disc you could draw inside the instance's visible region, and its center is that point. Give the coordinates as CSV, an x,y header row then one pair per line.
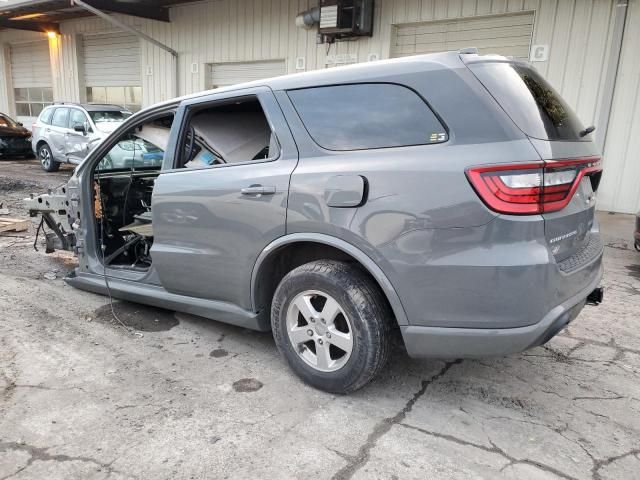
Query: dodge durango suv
x,y
448,196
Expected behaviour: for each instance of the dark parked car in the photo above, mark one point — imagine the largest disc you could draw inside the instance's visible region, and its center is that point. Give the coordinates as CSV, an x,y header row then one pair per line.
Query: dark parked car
x,y
15,140
448,196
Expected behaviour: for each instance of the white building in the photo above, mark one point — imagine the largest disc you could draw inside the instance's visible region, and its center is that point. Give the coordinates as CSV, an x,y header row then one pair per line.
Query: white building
x,y
588,49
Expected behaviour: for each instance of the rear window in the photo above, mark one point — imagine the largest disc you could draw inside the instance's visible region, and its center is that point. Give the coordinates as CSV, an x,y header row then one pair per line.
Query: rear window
x,y
363,116
45,117
533,104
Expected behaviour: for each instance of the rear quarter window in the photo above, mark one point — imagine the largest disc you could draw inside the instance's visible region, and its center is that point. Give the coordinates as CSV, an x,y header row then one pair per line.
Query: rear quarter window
x,y
366,115
531,102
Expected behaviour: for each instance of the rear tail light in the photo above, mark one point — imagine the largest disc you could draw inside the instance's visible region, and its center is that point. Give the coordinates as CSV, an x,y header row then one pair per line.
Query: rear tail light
x,y
531,188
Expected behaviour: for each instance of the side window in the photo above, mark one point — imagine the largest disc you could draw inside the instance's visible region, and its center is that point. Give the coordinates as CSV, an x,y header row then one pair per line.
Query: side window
x,y
141,148
366,115
45,117
77,118
60,118
227,133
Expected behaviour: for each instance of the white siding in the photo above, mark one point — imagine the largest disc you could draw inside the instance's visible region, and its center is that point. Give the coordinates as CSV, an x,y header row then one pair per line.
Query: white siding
x,y
620,190
254,30
578,33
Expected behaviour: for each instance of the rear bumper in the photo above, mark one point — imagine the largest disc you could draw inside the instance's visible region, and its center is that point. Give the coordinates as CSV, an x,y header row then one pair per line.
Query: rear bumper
x,y
444,342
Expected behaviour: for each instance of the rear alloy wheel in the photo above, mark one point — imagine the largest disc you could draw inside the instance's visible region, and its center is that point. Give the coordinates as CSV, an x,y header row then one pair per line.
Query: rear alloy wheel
x,y
46,159
331,323
319,331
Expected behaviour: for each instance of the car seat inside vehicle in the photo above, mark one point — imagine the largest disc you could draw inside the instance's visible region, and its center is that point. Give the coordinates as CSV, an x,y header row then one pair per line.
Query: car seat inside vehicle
x,y
229,133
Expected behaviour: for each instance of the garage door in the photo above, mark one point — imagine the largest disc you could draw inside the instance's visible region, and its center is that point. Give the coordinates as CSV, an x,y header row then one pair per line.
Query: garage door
x,y
223,74
31,79
508,35
112,71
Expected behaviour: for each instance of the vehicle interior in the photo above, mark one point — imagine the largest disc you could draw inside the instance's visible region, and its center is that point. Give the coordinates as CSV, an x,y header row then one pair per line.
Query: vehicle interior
x,y
124,179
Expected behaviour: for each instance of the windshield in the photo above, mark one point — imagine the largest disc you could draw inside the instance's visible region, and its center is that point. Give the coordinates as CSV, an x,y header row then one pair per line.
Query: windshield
x,y
109,116
535,107
7,122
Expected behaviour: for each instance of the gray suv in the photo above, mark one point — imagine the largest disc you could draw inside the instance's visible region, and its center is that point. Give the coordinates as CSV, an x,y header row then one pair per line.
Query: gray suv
x,y
449,197
66,132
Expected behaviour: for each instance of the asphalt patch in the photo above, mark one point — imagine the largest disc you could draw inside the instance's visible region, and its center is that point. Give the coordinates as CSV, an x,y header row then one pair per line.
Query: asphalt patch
x,y
247,385
218,352
139,317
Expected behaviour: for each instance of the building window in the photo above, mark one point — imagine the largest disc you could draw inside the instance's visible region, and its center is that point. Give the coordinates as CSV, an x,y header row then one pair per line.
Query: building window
x,y
127,97
30,101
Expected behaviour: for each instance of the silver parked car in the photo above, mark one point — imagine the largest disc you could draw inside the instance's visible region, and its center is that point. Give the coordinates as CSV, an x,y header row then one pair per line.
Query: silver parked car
x,y
448,196
66,133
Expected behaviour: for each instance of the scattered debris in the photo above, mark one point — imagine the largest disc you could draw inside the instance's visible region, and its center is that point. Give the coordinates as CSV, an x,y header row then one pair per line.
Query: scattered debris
x,y
50,276
3,210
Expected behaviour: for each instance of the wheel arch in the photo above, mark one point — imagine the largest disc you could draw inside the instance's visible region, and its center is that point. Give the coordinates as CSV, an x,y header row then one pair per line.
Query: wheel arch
x,y
264,282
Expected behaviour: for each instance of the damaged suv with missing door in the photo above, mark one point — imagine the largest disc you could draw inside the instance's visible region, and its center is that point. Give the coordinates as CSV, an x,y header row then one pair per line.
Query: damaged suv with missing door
x,y
448,196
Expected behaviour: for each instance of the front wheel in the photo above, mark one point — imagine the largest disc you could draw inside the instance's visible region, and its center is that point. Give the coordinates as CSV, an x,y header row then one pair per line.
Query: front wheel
x,y
331,323
46,159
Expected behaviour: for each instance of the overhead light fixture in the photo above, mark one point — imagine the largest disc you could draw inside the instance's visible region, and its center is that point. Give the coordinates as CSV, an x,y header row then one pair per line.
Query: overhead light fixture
x,y
51,34
27,16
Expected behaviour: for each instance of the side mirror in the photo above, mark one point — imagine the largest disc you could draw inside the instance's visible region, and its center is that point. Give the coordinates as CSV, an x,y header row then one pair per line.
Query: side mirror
x,y
80,128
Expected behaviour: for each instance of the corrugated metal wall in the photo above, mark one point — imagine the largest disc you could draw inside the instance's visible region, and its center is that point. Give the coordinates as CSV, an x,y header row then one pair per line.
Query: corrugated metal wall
x,y
620,189
249,30
578,33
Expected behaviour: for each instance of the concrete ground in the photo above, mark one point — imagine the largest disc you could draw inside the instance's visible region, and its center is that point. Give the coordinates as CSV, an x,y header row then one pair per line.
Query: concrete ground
x,y
187,398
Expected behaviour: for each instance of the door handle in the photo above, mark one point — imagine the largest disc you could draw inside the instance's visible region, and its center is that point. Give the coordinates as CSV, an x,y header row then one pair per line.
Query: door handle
x,y
258,190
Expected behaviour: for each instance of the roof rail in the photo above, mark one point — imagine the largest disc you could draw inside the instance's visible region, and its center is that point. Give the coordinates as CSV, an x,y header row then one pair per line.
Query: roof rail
x,y
65,103
468,51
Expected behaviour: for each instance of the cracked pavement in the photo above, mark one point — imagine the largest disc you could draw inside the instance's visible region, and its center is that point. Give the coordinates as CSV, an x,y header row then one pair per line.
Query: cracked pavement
x,y
81,398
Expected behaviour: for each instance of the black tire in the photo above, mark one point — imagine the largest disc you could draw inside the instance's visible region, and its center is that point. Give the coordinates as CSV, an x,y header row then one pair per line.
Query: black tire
x,y
361,301
46,159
